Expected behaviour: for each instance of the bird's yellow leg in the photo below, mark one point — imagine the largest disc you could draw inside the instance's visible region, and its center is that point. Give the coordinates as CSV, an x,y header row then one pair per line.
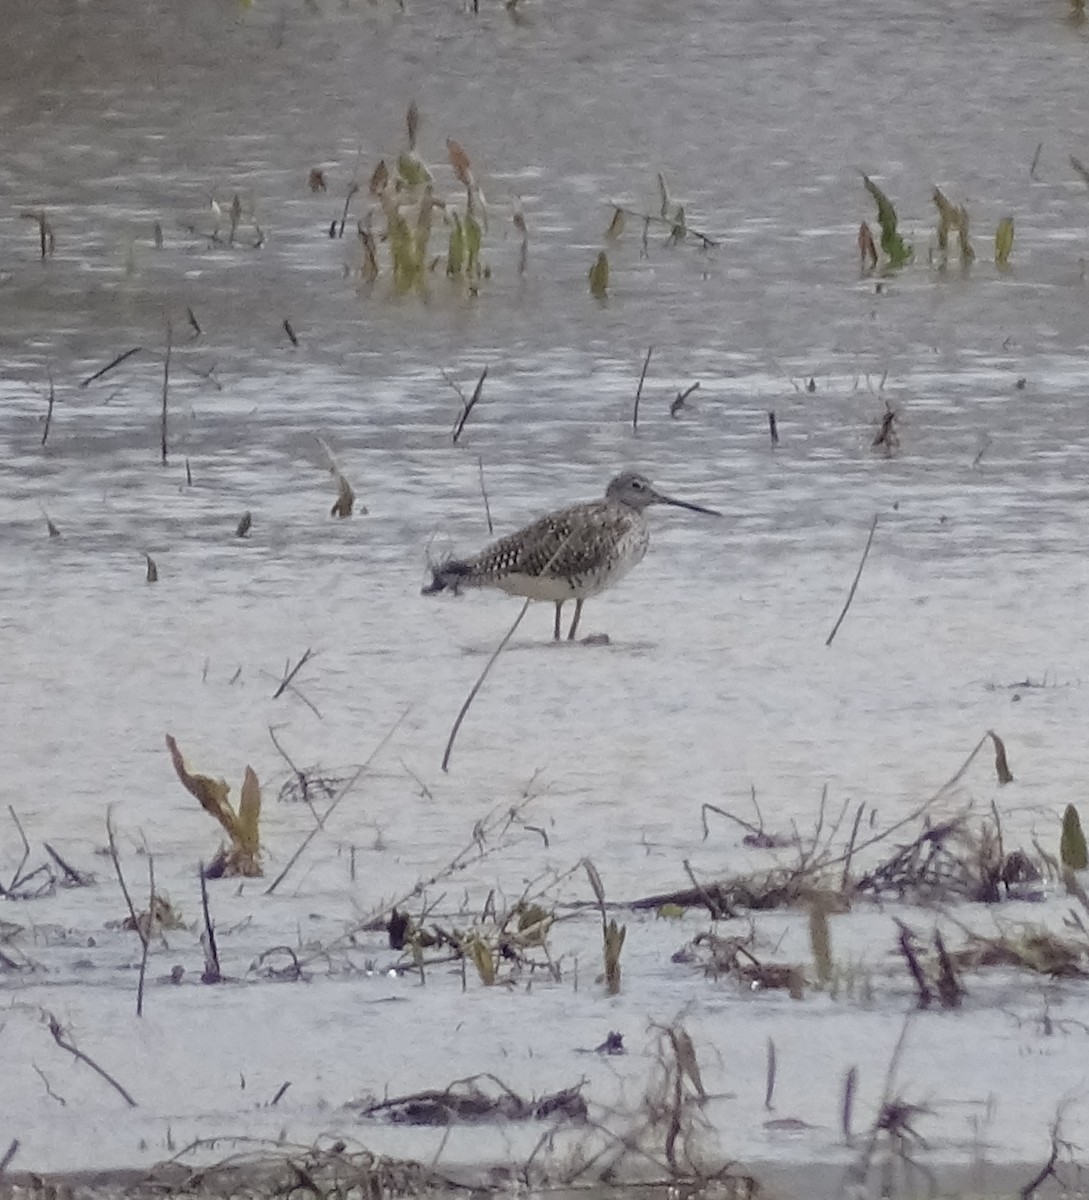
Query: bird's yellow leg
x,y
556,630
574,623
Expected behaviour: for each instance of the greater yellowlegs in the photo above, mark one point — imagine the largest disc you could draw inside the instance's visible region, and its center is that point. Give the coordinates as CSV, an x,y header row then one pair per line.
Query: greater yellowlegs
x,y
570,554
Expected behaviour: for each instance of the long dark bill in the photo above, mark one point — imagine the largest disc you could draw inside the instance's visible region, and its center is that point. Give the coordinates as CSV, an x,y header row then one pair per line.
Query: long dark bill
x,y
710,512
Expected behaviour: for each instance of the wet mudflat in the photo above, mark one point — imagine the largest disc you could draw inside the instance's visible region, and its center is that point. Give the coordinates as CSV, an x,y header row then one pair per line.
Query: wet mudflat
x,y
131,129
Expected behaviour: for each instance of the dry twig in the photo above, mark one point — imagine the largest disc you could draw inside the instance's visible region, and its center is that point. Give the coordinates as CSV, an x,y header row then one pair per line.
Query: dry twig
x,y
344,790
65,1043
479,684
854,584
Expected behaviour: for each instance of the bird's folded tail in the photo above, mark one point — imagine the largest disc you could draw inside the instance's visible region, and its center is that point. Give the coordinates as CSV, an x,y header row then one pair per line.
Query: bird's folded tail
x,y
450,575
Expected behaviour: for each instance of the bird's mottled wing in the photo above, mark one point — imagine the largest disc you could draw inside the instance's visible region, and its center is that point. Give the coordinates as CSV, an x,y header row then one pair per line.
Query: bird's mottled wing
x,y
570,543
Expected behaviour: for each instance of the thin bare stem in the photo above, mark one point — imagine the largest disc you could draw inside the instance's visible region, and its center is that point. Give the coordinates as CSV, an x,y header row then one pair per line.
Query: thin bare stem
x,y
16,878
141,932
49,410
468,408
116,362
345,788
484,493
166,388
117,867
212,972
858,1171
353,188
285,683
479,683
62,1040
74,877
722,812
854,585
9,1154
145,935
639,391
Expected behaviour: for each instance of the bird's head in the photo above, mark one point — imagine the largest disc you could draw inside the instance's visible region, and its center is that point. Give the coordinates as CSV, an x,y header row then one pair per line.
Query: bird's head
x,y
636,491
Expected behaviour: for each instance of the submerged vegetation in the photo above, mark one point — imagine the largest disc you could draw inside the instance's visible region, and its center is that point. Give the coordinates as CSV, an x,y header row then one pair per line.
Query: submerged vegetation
x,y
413,211
952,227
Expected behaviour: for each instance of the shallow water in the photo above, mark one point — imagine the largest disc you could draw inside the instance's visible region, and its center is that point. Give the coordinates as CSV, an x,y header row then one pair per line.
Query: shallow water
x,y
716,680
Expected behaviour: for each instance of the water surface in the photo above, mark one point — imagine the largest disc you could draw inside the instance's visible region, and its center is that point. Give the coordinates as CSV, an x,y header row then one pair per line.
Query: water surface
x,y
716,681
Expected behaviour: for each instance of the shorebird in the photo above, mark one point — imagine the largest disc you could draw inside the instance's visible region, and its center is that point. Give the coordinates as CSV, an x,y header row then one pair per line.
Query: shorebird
x,y
570,554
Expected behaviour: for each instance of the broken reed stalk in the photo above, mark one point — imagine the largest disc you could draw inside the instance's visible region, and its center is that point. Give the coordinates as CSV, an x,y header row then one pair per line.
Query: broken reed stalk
x,y
143,934
851,847
57,1032
612,935
344,789
49,410
300,776
748,826
820,939
290,672
74,877
906,942
8,1155
468,408
769,1088
353,187
916,814
860,1169
1047,1171
854,584
212,972
679,402
773,427
847,1108
166,386
1002,769
116,362
16,879
484,493
1001,764
479,683
714,908
639,391
950,989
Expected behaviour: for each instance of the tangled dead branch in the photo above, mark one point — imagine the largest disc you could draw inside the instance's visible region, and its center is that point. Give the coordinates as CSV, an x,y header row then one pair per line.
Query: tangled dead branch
x,y
961,857
329,1171
466,1101
733,957
664,1142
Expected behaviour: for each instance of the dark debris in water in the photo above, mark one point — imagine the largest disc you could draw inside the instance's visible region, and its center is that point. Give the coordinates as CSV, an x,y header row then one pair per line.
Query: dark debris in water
x,y
613,1044
467,1102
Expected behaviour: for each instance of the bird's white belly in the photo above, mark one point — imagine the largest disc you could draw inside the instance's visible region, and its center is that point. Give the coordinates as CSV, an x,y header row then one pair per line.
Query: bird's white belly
x,y
538,587
558,588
